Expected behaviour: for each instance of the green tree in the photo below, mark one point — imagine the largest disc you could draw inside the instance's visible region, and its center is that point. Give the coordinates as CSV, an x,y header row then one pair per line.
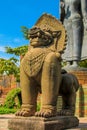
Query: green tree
x,y
18,51
21,50
25,32
83,63
9,67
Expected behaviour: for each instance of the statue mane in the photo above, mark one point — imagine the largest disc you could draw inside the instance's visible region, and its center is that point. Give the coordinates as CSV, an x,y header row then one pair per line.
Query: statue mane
x,y
49,22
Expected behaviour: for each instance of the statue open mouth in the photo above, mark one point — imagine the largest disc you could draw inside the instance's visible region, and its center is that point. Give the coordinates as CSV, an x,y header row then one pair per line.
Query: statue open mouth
x,y
35,42
37,36
36,39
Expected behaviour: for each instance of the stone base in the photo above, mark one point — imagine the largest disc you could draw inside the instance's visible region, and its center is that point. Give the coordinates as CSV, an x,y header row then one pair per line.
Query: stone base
x,y
39,123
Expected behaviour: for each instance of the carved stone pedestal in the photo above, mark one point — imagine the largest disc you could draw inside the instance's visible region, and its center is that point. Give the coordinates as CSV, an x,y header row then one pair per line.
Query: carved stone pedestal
x,y
38,123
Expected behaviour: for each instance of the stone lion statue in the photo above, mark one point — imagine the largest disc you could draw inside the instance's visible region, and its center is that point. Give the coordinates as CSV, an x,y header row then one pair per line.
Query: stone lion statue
x,y
40,69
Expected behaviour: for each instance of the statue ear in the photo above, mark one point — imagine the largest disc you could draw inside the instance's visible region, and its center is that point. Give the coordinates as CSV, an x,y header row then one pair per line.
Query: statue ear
x,y
56,34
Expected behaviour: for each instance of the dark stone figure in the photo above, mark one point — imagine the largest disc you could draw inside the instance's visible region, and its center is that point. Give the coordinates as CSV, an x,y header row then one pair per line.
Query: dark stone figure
x,y
68,88
74,17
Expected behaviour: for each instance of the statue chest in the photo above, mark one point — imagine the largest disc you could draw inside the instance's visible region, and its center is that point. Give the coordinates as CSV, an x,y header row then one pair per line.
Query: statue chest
x,y
34,59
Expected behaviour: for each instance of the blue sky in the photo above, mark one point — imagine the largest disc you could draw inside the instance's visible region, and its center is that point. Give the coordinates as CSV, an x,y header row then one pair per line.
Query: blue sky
x,y
17,13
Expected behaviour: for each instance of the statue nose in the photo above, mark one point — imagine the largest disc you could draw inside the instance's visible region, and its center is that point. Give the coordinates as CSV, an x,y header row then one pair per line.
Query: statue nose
x,y
38,34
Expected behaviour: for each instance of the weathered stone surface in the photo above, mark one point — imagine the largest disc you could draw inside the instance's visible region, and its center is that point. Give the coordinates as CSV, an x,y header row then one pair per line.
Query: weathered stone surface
x,y
74,17
39,123
40,71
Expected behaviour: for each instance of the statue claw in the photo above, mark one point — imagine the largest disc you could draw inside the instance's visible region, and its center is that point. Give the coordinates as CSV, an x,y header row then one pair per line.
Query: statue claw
x,y
45,113
25,113
65,112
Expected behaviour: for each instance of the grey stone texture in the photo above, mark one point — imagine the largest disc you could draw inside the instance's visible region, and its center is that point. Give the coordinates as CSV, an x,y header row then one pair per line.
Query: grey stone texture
x,y
74,17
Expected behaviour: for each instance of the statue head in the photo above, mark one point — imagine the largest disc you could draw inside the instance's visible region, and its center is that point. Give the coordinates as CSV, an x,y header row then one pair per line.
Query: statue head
x,y
42,37
48,31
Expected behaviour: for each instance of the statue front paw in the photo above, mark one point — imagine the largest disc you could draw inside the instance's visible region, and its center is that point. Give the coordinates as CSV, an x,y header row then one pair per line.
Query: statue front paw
x,y
45,113
25,112
65,112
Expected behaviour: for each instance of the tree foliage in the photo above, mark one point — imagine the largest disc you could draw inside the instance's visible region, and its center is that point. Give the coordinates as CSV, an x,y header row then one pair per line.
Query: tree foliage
x,y
83,63
17,51
21,50
25,31
9,67
13,98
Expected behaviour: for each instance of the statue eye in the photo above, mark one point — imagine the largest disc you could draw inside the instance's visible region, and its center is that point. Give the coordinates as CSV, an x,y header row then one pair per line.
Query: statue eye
x,y
45,37
42,36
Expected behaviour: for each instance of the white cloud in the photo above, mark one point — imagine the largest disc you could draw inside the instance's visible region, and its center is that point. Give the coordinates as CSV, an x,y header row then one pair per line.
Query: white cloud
x,y
7,41
17,40
2,49
11,41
